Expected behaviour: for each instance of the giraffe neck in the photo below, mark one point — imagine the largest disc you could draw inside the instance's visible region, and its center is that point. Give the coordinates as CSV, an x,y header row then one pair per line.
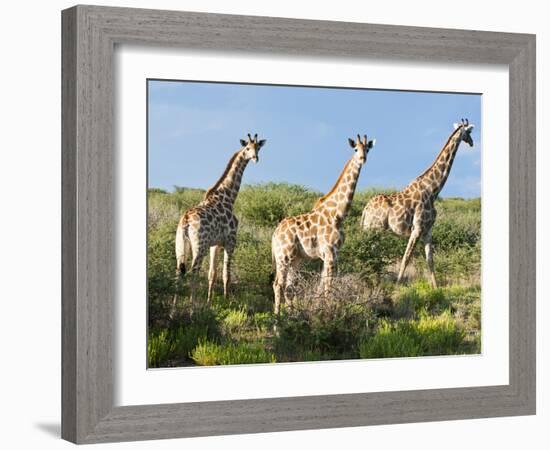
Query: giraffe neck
x,y
227,187
434,178
338,200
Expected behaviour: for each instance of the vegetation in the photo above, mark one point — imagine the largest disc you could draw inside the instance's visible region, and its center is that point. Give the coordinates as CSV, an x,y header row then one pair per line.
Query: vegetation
x,y
366,314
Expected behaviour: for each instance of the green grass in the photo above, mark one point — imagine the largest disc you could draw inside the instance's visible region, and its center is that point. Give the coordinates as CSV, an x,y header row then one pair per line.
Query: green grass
x,y
210,354
366,314
427,336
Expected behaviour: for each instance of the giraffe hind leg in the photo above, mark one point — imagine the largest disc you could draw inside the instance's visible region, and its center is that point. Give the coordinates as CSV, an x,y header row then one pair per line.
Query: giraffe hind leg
x,y
428,248
178,286
195,266
212,272
279,286
182,249
408,253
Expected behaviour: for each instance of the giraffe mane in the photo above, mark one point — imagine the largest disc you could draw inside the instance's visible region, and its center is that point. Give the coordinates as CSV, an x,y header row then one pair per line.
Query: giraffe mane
x,y
439,154
328,194
224,174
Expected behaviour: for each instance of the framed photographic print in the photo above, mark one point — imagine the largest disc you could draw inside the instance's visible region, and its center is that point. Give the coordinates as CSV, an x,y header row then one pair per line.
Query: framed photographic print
x,y
267,222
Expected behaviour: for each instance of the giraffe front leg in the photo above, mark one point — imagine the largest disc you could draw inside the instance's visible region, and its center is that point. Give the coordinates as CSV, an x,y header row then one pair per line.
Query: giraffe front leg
x,y
428,248
329,270
408,253
279,285
212,272
227,255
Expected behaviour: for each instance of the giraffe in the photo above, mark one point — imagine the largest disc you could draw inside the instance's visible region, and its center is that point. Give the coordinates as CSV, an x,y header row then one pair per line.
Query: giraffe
x,y
411,212
318,233
211,225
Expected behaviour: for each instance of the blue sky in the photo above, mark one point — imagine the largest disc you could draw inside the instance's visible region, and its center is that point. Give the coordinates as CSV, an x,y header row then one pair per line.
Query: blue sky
x,y
194,128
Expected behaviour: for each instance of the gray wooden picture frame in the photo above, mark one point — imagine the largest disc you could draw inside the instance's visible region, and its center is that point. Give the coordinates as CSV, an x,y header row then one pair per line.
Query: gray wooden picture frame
x,y
90,34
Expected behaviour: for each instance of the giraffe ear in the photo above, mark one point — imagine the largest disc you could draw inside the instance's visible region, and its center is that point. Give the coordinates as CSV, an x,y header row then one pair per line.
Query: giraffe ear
x,y
261,143
351,143
243,142
371,143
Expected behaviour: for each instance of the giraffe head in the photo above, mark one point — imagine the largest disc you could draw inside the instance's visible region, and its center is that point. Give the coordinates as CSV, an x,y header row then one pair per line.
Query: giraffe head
x,y
251,147
361,147
465,131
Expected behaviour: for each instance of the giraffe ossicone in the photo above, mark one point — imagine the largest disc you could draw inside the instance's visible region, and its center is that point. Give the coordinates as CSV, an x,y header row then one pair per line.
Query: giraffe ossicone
x,y
211,225
411,212
317,234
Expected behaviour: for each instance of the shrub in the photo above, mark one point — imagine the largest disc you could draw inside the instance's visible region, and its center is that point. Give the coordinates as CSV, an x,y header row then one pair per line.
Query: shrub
x,y
210,354
326,327
161,266
364,313
252,258
369,252
263,321
174,344
420,297
429,336
234,321
453,234
267,204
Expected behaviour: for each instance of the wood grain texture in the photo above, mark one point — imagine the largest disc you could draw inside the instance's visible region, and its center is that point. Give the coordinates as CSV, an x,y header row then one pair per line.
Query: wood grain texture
x,y
90,34
68,225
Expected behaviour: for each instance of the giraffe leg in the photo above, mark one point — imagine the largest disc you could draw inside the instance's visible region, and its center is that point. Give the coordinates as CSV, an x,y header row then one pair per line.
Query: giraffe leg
x,y
279,286
290,284
329,270
408,253
428,248
195,266
227,254
182,248
179,285
212,272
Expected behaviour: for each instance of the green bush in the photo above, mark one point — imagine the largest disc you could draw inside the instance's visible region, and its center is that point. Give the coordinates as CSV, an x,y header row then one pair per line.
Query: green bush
x,y
451,235
176,342
161,269
208,353
267,204
365,313
369,252
252,258
332,335
235,321
172,344
428,336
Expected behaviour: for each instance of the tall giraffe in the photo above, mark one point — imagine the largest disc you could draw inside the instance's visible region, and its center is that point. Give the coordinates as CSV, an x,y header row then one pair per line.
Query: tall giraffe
x,y
212,225
317,234
411,212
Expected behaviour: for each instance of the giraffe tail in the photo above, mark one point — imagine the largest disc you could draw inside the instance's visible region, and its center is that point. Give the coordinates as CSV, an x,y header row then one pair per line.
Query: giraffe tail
x,y
182,247
273,269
